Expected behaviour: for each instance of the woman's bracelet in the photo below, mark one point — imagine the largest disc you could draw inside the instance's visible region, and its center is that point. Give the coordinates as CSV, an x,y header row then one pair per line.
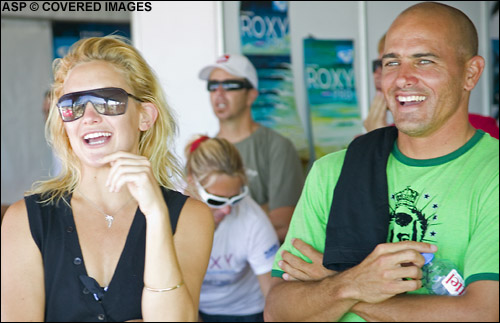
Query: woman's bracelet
x,y
164,289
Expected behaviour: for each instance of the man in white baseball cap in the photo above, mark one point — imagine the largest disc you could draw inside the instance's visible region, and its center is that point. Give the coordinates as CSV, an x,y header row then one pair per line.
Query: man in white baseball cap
x,y
273,167
235,64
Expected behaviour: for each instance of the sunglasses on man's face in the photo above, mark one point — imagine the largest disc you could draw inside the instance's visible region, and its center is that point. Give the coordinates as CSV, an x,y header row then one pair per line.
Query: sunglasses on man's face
x,y
109,101
218,202
228,85
376,64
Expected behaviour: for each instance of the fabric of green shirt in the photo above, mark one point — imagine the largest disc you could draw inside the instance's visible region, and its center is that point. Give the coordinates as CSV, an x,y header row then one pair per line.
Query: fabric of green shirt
x,y
450,201
273,168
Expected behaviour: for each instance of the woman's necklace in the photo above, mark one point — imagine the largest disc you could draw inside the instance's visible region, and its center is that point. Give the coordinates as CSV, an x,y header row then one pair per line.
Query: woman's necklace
x,y
107,217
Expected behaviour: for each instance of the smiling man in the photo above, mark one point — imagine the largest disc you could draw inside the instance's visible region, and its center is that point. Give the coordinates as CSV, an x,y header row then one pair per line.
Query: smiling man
x,y
430,184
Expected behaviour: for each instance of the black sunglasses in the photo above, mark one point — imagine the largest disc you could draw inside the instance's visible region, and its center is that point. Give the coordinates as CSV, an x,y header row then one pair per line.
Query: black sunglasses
x,y
228,85
376,63
109,101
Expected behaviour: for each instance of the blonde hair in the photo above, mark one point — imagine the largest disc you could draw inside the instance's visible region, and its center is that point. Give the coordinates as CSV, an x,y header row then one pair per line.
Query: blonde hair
x,y
156,143
206,157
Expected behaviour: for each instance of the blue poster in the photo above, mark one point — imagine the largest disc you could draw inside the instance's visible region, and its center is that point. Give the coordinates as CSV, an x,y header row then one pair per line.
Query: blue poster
x,y
331,93
265,40
66,34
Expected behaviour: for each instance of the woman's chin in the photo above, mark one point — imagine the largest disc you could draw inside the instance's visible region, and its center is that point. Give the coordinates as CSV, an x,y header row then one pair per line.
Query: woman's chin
x,y
94,161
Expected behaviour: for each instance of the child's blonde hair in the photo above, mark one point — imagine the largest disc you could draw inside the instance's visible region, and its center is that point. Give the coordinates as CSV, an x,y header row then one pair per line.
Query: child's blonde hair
x,y
207,157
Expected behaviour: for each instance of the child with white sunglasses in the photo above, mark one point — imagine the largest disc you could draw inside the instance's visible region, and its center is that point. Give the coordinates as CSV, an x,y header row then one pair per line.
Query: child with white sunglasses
x,y
245,242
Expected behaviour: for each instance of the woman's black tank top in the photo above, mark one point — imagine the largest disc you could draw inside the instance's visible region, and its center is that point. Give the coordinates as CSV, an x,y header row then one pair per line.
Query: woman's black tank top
x,y
71,295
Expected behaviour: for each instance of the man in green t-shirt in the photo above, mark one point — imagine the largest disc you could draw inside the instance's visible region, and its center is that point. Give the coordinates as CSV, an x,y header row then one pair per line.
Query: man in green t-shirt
x,y
273,168
442,191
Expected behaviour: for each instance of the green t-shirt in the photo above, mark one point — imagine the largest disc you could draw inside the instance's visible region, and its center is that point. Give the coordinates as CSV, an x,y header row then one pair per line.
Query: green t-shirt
x,y
273,168
450,201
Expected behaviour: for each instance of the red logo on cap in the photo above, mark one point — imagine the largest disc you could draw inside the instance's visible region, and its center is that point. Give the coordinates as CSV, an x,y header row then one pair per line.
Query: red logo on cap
x,y
223,59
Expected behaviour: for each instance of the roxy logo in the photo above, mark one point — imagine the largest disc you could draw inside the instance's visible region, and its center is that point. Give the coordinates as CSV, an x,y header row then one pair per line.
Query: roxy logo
x,y
260,27
329,78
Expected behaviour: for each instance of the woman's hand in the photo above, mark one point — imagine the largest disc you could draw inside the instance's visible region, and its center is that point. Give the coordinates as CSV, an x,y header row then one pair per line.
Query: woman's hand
x,y
135,172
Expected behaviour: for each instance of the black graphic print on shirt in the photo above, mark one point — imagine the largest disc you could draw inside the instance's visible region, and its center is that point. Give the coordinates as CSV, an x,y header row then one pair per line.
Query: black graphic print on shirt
x,y
413,216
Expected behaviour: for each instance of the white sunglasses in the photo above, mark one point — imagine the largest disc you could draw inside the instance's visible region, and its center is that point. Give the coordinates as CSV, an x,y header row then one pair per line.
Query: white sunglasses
x,y
218,202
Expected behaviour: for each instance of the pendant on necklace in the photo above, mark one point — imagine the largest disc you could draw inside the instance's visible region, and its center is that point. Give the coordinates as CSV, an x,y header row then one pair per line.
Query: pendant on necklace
x,y
110,219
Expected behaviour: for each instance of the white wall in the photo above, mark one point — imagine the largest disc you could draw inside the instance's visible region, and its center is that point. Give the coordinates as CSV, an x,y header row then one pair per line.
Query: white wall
x,y
178,39
26,58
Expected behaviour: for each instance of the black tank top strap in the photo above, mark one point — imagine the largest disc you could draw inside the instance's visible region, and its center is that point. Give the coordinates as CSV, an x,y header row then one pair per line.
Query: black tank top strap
x,y
175,202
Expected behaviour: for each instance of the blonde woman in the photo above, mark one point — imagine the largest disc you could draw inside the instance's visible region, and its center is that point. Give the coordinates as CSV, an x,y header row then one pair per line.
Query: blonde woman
x,y
108,239
245,242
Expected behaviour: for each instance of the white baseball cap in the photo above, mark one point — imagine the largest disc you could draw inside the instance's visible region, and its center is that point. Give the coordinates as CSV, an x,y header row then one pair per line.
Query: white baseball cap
x,y
235,64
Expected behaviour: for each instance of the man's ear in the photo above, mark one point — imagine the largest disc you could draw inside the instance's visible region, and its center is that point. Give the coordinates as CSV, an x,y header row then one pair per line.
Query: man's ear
x,y
252,95
473,71
147,116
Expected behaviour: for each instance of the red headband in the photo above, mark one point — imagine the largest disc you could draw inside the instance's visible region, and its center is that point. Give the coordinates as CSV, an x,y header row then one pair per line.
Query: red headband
x,y
197,143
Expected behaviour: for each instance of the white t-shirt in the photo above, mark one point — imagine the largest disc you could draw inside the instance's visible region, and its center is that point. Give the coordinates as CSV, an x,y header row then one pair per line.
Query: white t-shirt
x,y
244,247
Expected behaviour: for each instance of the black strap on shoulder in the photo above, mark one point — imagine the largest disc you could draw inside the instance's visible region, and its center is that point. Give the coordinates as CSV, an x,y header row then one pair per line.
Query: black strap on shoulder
x,y
359,214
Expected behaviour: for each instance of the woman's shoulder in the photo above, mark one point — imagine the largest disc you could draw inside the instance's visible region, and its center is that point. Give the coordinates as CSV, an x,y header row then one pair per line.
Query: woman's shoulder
x,y
188,205
196,213
22,264
195,228
16,209
15,221
196,205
